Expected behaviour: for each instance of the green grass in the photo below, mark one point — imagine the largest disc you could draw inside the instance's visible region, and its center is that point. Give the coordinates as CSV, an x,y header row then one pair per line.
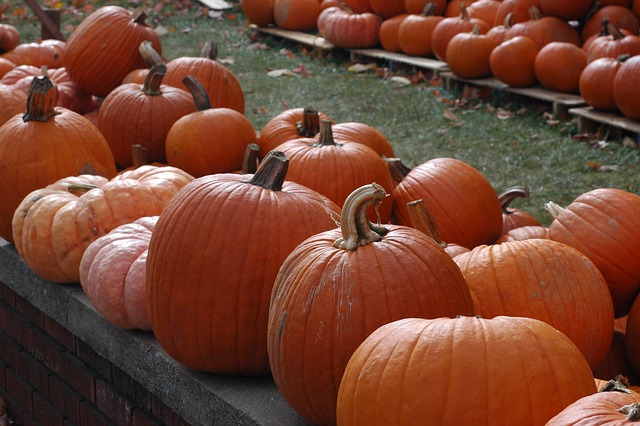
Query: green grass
x,y
524,149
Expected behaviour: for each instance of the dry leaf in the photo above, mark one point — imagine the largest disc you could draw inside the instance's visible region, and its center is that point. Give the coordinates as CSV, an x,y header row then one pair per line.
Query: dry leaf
x,y
281,72
258,46
358,68
227,61
593,165
503,114
401,80
449,115
627,141
609,168
289,54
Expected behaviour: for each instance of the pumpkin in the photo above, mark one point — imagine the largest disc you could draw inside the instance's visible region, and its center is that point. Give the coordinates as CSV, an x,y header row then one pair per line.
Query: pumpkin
x,y
596,82
208,294
614,44
454,8
512,217
632,335
209,140
601,408
545,29
220,83
558,66
49,53
449,27
292,123
546,280
5,66
9,37
500,32
567,9
43,145
416,31
19,72
388,33
520,363
142,114
612,215
626,88
620,16
358,6
518,9
525,232
344,28
53,225
387,8
468,54
417,6
336,167
103,49
338,286
464,204
617,361
258,12
365,134
296,15
485,10
513,61
12,102
113,274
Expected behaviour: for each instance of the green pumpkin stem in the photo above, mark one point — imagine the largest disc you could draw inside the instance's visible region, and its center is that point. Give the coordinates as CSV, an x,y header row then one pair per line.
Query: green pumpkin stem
x,y
272,171
510,194
357,230
41,100
250,160
199,93
153,80
325,137
309,126
422,220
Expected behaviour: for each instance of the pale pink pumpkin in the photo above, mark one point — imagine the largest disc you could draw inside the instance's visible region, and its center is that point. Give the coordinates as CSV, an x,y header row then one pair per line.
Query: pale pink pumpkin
x,y
113,273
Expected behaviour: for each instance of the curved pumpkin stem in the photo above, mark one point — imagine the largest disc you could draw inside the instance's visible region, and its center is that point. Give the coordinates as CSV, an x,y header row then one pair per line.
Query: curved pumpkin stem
x,y
617,384
632,411
397,169
199,93
153,80
149,54
553,209
534,13
41,100
250,160
422,220
272,171
507,197
614,31
325,137
429,9
309,126
356,228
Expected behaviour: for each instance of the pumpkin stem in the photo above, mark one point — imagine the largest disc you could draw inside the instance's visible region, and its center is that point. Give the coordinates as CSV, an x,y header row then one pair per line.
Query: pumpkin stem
x,y
199,93
356,228
250,160
553,209
210,50
604,27
41,100
139,16
507,197
623,57
271,171
81,187
422,220
309,126
534,13
632,411
153,80
325,137
464,14
429,9
614,31
617,384
397,169
138,155
149,54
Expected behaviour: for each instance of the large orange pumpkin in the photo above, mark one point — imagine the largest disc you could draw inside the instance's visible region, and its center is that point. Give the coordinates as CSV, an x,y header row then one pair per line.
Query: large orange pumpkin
x,y
612,408
344,28
258,12
626,88
43,145
468,54
558,66
416,30
462,371
340,285
296,15
513,61
103,49
53,225
213,258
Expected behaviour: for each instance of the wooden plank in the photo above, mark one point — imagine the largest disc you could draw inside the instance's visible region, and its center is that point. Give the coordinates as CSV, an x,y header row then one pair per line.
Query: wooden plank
x,y
588,117
49,25
297,36
420,62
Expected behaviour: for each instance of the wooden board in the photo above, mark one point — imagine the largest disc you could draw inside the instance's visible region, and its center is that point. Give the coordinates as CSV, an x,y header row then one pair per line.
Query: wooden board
x,y
427,63
589,118
297,36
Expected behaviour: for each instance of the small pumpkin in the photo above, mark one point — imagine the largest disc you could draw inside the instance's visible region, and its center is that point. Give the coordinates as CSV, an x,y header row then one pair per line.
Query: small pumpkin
x,y
258,12
9,37
416,31
545,29
468,54
388,33
49,53
513,61
596,82
344,28
626,88
558,66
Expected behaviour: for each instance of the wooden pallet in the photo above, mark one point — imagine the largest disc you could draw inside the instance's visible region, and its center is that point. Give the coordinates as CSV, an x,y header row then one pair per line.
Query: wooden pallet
x,y
590,120
561,102
307,39
391,57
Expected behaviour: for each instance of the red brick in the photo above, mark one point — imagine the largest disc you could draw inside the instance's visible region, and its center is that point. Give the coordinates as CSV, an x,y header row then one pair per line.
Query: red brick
x,y
97,363
48,351
125,384
141,418
113,404
165,414
30,312
19,329
91,415
45,412
65,398
29,420
7,295
79,376
19,389
34,372
14,410
3,366
59,333
9,349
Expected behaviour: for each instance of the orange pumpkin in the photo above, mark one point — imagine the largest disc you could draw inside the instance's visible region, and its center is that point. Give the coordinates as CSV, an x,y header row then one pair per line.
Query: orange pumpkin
x,y
620,16
416,31
520,363
296,15
388,33
566,9
468,54
417,6
258,12
9,37
12,102
558,66
49,53
208,289
340,285
449,27
344,28
54,225
513,61
387,8
596,82
626,88
512,217
613,44
602,409
43,145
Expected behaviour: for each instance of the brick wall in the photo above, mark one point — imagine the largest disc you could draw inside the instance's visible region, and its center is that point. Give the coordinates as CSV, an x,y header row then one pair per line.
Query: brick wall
x,y
49,376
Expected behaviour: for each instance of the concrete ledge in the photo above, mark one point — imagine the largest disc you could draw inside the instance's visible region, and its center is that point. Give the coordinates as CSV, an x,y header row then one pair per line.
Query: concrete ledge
x,y
199,398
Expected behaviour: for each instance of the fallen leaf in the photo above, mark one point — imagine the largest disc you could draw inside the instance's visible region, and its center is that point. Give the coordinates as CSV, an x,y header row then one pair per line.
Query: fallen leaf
x,y
160,30
285,52
627,141
258,46
227,61
358,68
216,4
300,69
503,114
401,80
449,115
593,165
281,72
609,168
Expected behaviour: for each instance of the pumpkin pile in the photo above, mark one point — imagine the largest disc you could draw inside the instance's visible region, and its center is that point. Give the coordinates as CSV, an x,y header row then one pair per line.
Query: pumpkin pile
x,y
312,253
585,47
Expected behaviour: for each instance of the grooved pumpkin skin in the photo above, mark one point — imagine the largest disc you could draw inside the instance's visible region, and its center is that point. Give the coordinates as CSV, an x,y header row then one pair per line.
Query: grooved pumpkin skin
x,y
213,258
326,301
546,280
599,409
626,88
103,49
508,370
